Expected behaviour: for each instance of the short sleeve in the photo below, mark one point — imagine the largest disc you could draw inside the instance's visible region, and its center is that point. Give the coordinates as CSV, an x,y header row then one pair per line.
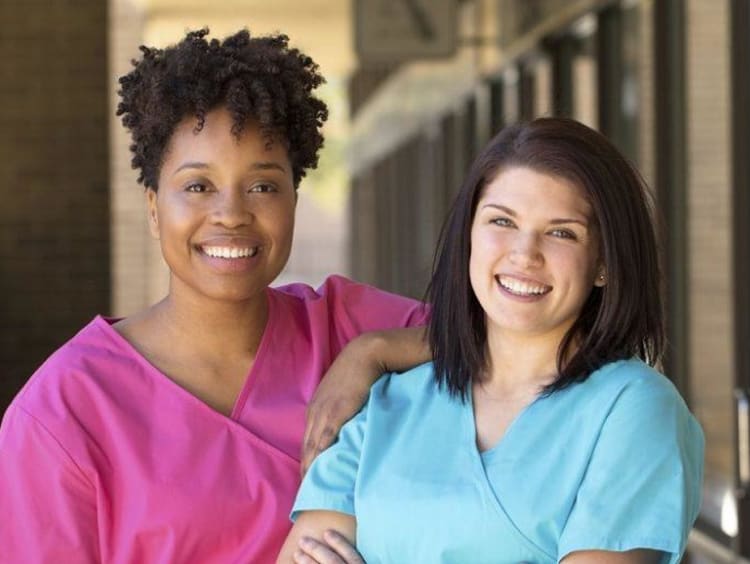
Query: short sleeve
x,y
642,486
47,505
358,308
331,479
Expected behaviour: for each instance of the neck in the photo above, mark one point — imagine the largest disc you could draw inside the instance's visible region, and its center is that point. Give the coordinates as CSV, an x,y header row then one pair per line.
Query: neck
x,y
213,326
519,363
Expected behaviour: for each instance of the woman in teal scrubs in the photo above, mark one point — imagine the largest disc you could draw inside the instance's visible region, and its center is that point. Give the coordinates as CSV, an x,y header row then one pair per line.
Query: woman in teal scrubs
x,y
541,431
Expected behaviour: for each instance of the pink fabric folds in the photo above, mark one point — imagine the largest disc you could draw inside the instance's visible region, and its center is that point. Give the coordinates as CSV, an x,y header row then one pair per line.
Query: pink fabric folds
x,y
103,458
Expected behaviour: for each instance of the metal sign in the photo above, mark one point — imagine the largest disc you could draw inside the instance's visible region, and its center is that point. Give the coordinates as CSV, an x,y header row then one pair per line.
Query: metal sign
x,y
390,31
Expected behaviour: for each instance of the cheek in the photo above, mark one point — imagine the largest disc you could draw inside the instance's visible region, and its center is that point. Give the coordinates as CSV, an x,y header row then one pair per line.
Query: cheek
x,y
480,265
281,221
173,212
473,272
487,247
582,268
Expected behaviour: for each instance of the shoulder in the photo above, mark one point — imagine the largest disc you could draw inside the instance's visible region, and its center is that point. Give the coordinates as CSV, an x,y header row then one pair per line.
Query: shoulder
x,y
343,309
66,379
642,460
333,284
418,378
638,405
634,384
627,402
339,290
63,401
415,386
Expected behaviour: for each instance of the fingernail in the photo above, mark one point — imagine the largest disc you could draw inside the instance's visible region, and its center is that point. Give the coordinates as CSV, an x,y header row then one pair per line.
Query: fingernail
x,y
330,534
305,541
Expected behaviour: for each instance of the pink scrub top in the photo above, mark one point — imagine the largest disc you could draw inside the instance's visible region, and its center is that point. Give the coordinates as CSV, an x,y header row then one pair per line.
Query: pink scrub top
x,y
105,459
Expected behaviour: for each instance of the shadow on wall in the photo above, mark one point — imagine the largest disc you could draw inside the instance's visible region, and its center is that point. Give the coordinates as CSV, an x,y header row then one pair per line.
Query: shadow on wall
x,y
54,219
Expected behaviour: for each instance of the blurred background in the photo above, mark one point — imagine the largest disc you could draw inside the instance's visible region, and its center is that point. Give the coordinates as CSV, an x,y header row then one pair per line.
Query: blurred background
x,y
415,88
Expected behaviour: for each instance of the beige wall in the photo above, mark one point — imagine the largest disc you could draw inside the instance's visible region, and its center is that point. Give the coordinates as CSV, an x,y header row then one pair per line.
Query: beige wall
x,y
709,220
135,269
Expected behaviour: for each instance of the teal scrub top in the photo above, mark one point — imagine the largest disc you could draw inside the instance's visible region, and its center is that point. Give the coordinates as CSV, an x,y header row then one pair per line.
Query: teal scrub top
x,y
612,463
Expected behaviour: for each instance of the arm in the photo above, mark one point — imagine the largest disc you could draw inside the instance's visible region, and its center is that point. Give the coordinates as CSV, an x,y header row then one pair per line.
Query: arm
x,y
608,557
641,489
47,505
311,536
347,382
325,527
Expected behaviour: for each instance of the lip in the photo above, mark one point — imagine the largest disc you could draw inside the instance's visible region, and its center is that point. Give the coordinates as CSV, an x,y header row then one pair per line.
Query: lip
x,y
229,241
525,280
232,265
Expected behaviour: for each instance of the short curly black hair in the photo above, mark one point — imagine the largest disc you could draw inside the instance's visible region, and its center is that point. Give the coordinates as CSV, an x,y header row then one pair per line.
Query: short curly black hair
x,y
259,78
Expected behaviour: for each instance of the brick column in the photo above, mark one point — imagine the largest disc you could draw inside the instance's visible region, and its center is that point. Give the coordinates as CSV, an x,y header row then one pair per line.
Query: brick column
x,y
54,215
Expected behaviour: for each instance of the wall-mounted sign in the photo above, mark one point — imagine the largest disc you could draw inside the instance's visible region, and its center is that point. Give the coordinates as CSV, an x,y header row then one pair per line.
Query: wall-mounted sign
x,y
389,31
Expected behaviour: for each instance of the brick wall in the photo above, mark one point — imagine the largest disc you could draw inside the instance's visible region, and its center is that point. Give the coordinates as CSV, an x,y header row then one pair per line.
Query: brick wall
x,y
139,276
709,217
54,210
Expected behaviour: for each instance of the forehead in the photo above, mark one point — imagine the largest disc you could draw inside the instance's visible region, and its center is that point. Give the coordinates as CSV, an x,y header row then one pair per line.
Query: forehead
x,y
530,191
216,139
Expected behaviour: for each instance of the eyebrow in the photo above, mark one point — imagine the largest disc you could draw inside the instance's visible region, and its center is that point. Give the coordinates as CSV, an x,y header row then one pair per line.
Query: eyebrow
x,y
556,221
269,165
266,165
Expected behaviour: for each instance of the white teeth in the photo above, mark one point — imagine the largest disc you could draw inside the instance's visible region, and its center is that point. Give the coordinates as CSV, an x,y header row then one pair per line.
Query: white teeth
x,y
230,252
522,288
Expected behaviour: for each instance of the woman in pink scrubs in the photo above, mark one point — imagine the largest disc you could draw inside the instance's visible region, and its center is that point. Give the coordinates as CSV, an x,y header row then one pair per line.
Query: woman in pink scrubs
x,y
175,435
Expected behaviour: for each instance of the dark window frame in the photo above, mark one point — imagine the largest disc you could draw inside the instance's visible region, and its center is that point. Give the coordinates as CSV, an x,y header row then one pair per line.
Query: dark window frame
x,y
740,125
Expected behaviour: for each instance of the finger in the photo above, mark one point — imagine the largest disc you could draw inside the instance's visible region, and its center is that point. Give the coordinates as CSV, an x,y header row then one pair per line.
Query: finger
x,y
310,448
317,443
320,552
306,456
300,557
343,547
319,435
309,441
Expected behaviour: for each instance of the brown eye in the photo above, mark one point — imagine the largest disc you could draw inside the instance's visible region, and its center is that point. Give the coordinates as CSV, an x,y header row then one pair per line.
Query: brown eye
x,y
263,188
195,187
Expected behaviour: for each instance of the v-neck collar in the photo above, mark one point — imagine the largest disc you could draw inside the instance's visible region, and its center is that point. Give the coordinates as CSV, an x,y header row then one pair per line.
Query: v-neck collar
x,y
479,464
105,324
471,428
260,357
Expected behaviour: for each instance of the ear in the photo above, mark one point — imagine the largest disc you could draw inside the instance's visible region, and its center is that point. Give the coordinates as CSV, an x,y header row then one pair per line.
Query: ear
x,y
601,278
153,216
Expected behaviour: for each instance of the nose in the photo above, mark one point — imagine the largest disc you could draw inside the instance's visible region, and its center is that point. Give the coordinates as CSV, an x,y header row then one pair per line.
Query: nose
x,y
526,251
231,210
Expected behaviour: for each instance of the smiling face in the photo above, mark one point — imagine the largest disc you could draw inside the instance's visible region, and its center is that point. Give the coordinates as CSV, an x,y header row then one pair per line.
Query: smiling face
x,y
224,210
534,254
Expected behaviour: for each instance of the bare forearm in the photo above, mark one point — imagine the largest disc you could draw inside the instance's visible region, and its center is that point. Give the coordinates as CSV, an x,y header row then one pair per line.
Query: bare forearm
x,y
640,556
394,350
344,389
312,525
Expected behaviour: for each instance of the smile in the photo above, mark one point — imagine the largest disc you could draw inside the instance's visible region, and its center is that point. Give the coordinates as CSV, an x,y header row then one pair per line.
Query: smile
x,y
519,288
230,252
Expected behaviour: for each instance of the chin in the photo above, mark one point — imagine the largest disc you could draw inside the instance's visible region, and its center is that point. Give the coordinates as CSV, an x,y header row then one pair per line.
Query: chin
x,y
238,295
